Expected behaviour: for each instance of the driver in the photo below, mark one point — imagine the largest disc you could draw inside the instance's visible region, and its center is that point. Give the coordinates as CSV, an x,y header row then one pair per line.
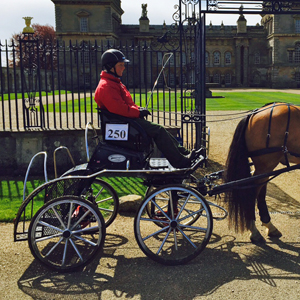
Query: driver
x,y
112,95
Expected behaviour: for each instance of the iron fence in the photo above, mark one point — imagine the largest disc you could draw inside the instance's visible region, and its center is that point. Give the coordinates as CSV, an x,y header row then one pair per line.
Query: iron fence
x,y
52,86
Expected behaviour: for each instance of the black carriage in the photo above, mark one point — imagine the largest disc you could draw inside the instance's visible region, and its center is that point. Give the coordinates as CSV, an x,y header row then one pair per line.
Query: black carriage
x,y
172,226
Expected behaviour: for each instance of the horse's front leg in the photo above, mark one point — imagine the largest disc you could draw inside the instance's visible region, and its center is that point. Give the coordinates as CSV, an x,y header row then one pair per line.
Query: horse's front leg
x,y
255,235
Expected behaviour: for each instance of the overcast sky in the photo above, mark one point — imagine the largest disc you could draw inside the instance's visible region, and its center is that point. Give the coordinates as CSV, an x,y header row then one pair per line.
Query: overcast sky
x,y
42,11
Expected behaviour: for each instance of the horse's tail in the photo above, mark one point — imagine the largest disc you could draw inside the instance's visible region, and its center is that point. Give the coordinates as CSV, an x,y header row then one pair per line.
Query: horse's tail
x,y
240,201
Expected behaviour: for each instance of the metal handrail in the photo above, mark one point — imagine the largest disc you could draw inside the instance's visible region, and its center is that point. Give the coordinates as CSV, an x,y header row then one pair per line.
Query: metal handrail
x,y
29,167
54,158
89,124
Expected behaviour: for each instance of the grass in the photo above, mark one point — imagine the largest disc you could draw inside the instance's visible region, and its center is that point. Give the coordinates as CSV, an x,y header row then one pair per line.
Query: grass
x,y
11,191
12,96
248,100
230,101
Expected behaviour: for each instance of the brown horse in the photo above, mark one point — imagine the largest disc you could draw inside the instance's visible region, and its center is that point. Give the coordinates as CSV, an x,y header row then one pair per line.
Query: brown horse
x,y
269,136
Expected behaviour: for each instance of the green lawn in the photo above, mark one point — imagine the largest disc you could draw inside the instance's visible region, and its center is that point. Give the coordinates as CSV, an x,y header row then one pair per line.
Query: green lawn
x,y
11,193
231,101
12,96
248,100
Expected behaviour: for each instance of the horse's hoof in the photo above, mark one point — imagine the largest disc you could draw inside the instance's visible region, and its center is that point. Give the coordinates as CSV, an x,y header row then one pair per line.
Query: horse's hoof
x,y
274,234
257,238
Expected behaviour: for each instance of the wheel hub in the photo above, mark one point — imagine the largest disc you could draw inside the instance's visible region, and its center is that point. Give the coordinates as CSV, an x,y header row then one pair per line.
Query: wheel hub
x,y
67,234
173,224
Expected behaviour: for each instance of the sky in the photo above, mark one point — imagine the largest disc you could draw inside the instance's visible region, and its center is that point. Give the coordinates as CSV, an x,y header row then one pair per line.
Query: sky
x,y
42,11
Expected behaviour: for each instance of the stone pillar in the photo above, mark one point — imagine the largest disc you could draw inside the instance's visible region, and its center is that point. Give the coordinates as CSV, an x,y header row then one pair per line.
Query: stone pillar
x,y
246,66
238,65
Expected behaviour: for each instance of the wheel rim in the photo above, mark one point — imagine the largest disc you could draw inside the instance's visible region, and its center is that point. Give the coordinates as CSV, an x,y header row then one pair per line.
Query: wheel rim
x,y
185,229
66,233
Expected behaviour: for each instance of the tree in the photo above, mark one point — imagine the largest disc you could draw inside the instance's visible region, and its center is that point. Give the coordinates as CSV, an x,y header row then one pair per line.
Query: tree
x,y
38,49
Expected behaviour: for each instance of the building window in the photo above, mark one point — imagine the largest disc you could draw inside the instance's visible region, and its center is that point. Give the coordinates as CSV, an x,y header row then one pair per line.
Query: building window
x,y
297,77
87,81
217,58
159,58
256,58
207,78
83,24
206,58
256,79
271,55
297,25
216,78
85,57
228,58
291,56
297,53
228,78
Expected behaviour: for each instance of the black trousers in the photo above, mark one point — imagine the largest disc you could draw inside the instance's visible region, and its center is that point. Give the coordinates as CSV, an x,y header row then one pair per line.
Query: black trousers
x,y
166,143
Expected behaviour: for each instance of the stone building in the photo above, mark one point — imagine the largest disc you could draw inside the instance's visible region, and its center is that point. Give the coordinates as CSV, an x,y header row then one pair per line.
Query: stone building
x,y
265,55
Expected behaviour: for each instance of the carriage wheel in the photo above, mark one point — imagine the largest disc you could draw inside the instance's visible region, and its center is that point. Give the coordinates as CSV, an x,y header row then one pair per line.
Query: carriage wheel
x,y
176,242
106,198
152,209
66,233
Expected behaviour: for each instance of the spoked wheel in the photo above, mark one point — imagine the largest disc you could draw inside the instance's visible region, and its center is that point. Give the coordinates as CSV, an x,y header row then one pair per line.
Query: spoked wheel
x,y
177,241
66,233
163,199
106,198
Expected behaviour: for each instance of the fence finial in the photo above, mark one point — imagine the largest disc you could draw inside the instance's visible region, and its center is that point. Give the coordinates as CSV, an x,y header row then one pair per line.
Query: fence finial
x,y
28,28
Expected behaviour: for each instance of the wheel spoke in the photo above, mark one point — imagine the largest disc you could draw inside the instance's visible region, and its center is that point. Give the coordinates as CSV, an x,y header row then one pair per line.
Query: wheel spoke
x,y
54,247
183,206
155,233
80,219
175,239
104,200
70,215
105,209
164,241
192,214
50,226
187,238
86,230
85,240
65,253
59,218
76,249
48,237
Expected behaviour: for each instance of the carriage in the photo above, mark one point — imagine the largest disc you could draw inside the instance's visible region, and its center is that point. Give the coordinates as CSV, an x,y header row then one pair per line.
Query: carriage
x,y
174,222
172,225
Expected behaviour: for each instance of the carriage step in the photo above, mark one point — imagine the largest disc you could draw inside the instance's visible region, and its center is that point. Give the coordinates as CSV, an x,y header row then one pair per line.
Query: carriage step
x,y
160,163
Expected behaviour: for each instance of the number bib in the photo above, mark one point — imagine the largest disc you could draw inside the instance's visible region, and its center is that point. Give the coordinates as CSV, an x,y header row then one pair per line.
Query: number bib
x,y
116,132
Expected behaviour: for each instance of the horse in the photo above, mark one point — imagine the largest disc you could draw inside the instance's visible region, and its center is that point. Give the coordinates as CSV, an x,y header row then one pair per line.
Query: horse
x,y
263,139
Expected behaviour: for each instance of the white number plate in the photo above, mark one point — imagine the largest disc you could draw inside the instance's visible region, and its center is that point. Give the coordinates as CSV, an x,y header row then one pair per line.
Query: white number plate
x,y
116,132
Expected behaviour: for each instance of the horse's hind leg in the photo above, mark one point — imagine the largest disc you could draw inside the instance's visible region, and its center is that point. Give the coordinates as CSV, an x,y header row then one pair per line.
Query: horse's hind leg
x,y
271,230
255,235
265,218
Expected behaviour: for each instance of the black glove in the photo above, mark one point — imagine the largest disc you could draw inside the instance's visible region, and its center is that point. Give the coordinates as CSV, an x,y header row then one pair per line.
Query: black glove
x,y
144,112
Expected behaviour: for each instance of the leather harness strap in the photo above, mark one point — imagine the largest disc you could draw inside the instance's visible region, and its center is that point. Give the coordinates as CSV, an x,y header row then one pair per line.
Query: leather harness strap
x,y
283,148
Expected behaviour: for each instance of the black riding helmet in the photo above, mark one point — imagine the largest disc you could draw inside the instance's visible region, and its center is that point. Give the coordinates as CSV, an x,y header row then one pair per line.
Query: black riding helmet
x,y
111,57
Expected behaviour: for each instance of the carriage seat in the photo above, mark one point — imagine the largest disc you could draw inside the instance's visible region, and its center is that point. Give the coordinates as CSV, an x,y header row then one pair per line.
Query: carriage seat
x,y
124,132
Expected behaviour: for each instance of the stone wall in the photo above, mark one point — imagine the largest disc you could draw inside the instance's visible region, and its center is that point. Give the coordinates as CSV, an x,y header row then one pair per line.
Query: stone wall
x,y
17,149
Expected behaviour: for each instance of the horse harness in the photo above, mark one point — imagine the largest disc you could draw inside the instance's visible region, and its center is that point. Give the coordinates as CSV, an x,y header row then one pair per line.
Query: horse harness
x,y
283,148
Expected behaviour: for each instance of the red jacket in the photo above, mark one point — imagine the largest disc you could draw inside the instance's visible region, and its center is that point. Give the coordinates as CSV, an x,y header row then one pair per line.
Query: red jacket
x,y
111,94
